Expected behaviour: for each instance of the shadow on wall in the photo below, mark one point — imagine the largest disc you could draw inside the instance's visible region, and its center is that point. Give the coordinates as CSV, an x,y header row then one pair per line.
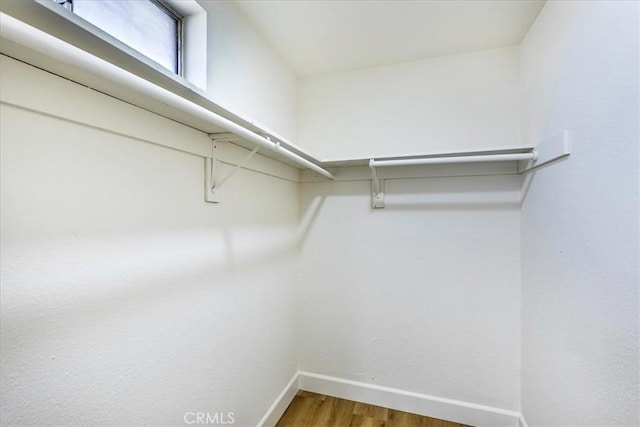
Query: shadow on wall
x,y
529,177
469,193
123,275
309,214
138,317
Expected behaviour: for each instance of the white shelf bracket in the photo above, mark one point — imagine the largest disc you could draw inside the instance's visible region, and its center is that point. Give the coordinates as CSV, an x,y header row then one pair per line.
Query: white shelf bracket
x,y
212,184
377,188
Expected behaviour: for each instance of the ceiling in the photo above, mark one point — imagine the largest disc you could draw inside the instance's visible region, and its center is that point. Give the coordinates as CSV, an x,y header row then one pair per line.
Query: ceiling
x,y
325,36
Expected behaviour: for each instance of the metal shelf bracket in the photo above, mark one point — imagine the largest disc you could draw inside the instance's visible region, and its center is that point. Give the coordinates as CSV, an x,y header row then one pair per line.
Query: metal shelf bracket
x,y
212,184
551,150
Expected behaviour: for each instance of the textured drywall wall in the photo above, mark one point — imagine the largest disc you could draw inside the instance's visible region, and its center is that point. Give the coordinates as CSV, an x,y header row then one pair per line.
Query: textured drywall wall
x,y
580,218
423,295
452,102
244,73
125,299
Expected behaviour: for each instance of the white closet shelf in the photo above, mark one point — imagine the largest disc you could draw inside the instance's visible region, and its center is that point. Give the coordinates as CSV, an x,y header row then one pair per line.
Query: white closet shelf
x,y
364,161
148,86
39,34
527,158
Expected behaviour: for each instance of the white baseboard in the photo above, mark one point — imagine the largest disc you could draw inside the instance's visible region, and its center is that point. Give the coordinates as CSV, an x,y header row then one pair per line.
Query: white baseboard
x,y
522,422
422,404
280,405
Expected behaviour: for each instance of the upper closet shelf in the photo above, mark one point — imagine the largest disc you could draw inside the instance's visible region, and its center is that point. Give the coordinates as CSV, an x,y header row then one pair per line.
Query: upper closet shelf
x,y
152,89
528,158
414,159
136,82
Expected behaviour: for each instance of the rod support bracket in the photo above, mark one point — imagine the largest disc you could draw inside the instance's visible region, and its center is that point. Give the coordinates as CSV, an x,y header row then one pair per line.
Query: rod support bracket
x,y
377,187
210,170
210,167
377,197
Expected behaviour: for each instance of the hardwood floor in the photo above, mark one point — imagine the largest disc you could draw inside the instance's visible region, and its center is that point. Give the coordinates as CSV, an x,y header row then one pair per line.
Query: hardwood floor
x,y
316,410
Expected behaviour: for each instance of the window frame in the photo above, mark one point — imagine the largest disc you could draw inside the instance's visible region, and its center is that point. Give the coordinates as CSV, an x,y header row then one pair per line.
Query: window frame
x,y
58,22
165,8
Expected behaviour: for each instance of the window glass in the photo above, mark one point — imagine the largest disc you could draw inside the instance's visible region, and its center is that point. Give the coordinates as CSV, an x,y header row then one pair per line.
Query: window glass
x,y
144,25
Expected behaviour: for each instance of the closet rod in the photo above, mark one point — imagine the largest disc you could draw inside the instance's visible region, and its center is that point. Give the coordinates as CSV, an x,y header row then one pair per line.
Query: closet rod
x,y
45,44
455,159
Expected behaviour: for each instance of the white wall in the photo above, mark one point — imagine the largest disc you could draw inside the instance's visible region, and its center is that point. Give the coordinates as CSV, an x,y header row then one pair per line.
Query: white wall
x,y
244,73
423,295
127,300
452,102
580,218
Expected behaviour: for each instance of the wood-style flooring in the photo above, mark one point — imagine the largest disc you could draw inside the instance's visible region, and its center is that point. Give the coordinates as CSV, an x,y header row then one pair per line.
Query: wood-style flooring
x,y
311,410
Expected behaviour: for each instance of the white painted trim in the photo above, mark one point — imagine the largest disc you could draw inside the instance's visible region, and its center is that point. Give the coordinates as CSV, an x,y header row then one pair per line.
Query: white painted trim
x,y
417,403
522,422
281,403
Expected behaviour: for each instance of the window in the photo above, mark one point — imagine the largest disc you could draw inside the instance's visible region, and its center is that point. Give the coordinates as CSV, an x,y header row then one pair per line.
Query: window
x,y
149,26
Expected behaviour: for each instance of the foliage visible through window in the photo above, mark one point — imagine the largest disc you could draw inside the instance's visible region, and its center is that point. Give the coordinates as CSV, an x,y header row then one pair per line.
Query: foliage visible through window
x,y
148,26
